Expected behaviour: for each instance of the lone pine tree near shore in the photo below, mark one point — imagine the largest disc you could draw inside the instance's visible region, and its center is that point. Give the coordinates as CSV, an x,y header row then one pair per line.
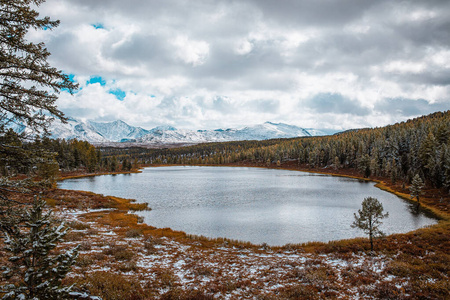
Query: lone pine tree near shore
x,y
369,218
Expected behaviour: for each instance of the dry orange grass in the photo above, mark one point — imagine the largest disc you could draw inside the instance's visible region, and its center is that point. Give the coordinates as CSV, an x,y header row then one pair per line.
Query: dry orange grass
x,y
418,262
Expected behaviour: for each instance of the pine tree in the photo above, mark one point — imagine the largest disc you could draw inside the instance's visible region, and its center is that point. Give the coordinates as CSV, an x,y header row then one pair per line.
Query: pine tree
x,y
446,166
364,165
34,270
28,84
416,187
29,88
369,218
124,164
114,163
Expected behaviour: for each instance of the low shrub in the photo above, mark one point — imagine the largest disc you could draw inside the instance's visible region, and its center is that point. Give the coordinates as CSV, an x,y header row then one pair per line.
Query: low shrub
x,y
133,233
179,294
85,246
84,261
79,225
119,252
138,206
128,266
112,286
299,291
124,254
76,236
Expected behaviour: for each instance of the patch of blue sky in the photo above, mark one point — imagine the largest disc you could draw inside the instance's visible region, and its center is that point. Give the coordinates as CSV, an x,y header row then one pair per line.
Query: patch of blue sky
x,y
98,26
71,79
96,79
120,95
49,27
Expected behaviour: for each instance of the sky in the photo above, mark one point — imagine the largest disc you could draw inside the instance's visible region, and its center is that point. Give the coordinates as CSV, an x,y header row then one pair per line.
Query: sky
x,y
207,64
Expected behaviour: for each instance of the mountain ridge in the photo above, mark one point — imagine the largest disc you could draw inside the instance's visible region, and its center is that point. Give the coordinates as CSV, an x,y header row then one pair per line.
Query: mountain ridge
x,y
120,132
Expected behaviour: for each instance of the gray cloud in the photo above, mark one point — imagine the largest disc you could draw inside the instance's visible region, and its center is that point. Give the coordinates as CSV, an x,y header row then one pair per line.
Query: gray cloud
x,y
337,57
409,107
315,13
263,106
337,104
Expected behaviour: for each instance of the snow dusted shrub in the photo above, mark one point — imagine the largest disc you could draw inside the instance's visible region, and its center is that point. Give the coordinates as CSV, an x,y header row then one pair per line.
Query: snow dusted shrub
x,y
298,291
86,245
85,261
113,286
150,243
180,294
128,266
34,269
133,233
167,278
79,225
74,236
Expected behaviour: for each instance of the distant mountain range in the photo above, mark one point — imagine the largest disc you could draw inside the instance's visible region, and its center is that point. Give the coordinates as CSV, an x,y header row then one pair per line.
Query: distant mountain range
x,y
120,132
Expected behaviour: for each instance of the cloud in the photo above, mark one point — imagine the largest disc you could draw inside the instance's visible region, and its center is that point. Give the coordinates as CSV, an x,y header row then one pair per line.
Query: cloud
x,y
214,63
409,107
191,52
337,104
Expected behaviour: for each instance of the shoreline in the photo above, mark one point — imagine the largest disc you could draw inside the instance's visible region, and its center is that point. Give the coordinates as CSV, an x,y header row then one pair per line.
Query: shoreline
x,y
434,213
121,255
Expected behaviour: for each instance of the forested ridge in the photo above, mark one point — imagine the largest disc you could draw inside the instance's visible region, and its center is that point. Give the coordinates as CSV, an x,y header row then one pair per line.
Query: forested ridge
x,y
399,152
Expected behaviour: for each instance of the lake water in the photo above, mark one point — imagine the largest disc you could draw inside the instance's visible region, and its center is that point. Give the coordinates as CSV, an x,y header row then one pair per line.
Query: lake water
x,y
251,204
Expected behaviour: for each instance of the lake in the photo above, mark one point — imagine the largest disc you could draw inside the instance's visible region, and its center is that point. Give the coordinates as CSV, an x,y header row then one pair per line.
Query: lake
x,y
253,204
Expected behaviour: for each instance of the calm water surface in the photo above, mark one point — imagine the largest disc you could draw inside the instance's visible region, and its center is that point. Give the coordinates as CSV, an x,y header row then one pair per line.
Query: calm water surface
x,y
257,205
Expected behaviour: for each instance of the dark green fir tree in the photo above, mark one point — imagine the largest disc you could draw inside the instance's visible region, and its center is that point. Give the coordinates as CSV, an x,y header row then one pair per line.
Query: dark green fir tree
x,y
34,269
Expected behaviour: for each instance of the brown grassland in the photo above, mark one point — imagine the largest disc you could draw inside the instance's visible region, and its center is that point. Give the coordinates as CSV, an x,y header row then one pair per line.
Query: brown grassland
x,y
121,258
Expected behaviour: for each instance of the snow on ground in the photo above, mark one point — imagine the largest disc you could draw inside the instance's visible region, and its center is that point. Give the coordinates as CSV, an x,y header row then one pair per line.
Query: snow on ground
x,y
229,272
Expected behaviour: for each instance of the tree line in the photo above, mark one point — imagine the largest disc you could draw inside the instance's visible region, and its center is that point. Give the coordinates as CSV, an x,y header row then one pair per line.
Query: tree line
x,y
420,146
56,155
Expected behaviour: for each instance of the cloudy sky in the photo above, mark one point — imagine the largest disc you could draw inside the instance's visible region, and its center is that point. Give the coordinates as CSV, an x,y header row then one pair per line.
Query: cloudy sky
x,y
208,64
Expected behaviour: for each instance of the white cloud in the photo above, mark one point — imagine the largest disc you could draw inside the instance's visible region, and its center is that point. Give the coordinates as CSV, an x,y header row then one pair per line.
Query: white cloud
x,y
405,67
191,52
243,47
233,63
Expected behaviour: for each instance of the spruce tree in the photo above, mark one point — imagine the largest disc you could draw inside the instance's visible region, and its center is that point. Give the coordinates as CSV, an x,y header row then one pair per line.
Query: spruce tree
x,y
34,270
369,218
29,88
416,187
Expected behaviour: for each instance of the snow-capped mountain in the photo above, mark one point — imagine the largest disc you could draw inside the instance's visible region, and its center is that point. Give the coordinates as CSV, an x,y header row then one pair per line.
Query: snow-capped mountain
x,y
119,131
96,132
264,131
